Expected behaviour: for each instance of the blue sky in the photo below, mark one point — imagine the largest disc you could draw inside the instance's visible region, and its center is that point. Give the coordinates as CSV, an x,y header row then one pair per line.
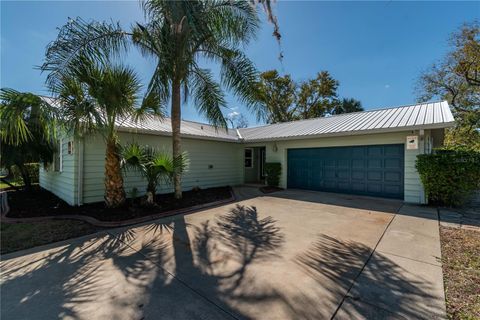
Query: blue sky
x,y
375,49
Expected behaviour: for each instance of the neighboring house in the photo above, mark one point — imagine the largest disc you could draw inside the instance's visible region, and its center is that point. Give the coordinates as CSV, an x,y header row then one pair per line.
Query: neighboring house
x,y
367,153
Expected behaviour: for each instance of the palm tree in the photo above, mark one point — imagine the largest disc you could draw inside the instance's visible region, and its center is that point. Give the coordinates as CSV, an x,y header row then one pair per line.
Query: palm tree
x,y
96,98
27,130
347,106
178,34
154,165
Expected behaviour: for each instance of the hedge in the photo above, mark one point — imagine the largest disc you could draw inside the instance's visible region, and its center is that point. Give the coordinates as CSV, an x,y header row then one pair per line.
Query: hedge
x,y
273,171
33,172
449,176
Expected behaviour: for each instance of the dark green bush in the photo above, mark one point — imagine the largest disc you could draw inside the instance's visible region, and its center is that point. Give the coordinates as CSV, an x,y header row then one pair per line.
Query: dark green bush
x,y
273,171
449,176
33,172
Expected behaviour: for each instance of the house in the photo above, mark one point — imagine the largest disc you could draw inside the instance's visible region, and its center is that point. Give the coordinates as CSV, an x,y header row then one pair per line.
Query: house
x,y
367,153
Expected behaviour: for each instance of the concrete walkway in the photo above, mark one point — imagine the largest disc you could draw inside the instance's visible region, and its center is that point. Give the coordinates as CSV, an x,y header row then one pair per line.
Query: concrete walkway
x,y
288,255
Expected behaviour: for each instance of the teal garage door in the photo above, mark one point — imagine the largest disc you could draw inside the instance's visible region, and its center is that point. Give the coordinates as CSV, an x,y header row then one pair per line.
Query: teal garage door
x,y
365,170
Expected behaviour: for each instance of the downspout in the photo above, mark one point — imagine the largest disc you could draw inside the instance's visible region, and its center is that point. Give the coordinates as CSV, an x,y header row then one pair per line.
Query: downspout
x,y
80,173
422,147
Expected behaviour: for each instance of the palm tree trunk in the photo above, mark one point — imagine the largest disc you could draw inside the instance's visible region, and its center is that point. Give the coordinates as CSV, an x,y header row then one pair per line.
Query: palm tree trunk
x,y
176,140
151,190
114,192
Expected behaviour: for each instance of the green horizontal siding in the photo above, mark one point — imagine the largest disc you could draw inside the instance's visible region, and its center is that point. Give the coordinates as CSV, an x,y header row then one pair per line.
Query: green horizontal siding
x,y
225,157
63,184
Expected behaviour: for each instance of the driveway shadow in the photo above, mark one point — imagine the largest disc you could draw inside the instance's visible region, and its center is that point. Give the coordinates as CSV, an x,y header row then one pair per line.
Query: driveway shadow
x,y
215,269
382,290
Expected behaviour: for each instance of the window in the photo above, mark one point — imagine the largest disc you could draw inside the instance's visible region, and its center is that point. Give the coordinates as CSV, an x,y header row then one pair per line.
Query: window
x,y
70,147
248,158
58,157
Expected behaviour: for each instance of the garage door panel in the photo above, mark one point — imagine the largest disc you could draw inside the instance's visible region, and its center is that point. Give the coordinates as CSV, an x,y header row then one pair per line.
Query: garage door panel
x,y
343,186
374,163
393,176
343,174
374,151
369,170
358,163
374,176
393,150
358,175
394,163
329,174
358,187
374,188
392,189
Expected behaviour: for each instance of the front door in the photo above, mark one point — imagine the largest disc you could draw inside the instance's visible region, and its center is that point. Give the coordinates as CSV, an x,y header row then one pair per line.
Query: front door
x,y
262,163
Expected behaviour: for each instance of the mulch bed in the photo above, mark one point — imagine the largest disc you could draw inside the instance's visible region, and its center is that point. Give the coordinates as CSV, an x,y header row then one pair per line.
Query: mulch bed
x,y
42,203
461,272
269,189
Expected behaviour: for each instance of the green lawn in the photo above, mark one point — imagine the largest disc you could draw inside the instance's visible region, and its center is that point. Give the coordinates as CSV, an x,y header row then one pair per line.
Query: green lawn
x,y
3,185
20,236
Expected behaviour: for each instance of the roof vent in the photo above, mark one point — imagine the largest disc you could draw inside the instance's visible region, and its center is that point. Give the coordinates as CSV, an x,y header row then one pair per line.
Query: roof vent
x,y
201,127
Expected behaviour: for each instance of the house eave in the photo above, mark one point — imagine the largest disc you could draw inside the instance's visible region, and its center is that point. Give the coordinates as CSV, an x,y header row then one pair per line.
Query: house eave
x,y
353,133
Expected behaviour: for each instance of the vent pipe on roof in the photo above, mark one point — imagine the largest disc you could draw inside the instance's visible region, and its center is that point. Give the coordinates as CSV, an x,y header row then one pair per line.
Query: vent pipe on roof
x,y
239,135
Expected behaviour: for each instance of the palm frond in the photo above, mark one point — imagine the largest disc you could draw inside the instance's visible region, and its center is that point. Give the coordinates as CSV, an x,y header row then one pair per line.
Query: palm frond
x,y
79,38
232,22
24,116
133,157
208,96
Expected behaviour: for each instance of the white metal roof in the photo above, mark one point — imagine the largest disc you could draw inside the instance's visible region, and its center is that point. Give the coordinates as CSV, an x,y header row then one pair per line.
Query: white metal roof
x,y
419,116
402,118
157,125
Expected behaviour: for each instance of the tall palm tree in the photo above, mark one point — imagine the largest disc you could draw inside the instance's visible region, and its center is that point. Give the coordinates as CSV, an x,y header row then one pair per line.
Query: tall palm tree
x,y
96,98
347,106
178,34
154,165
27,130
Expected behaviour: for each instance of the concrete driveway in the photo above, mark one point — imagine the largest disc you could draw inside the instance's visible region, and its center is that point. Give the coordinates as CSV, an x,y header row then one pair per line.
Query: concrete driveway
x,y
290,255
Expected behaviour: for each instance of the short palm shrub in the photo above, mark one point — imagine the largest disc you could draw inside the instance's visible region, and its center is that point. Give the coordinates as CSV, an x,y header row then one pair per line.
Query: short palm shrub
x,y
154,165
449,176
273,171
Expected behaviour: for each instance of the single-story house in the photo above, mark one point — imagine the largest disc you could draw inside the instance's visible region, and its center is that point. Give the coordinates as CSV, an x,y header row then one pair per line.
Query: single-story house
x,y
366,153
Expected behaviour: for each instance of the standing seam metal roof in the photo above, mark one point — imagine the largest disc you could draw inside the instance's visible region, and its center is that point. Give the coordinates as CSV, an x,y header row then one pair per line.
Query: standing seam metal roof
x,y
420,116
409,117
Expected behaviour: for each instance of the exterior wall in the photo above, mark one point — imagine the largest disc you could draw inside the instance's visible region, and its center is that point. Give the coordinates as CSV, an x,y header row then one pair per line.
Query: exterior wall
x,y
412,184
212,164
64,183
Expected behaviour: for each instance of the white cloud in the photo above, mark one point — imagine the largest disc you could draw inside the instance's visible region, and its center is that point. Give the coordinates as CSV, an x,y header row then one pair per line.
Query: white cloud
x,y
233,115
387,86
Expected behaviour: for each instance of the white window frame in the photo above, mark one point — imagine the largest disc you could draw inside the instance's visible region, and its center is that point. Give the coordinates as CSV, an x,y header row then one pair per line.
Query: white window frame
x,y
245,158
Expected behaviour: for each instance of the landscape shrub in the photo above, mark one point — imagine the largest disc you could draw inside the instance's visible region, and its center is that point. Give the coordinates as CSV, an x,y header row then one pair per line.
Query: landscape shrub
x,y
33,172
273,171
449,176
